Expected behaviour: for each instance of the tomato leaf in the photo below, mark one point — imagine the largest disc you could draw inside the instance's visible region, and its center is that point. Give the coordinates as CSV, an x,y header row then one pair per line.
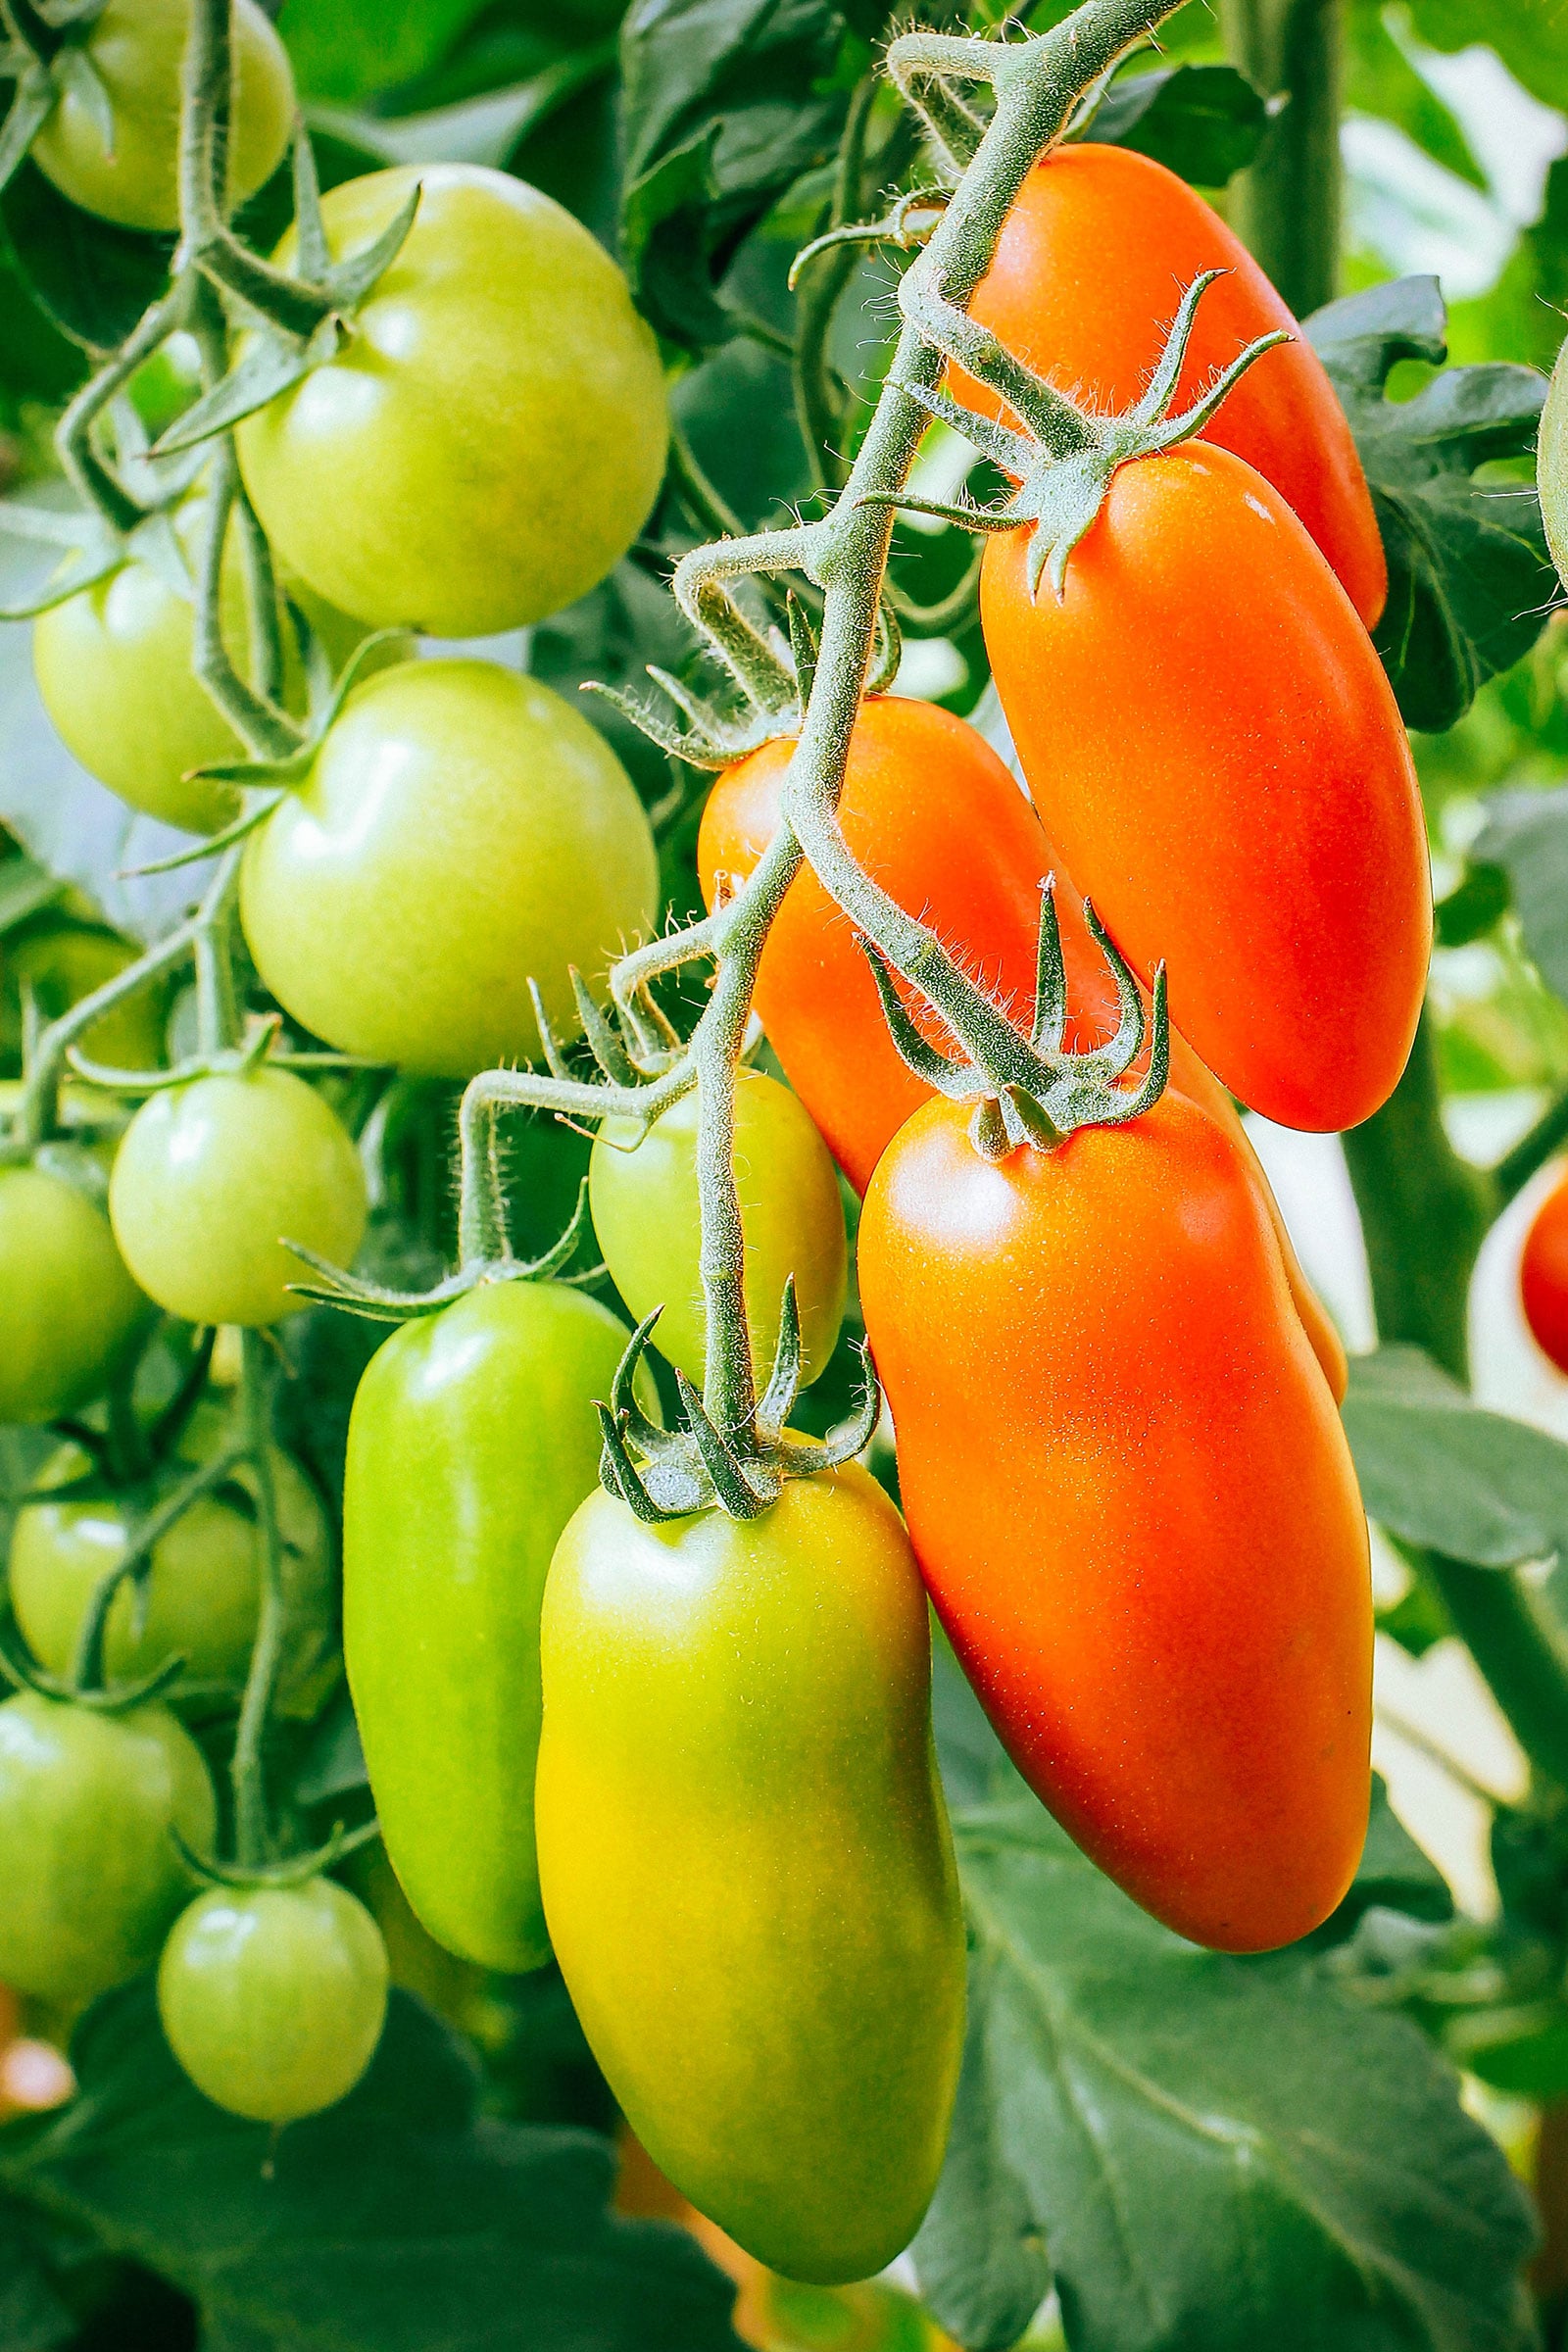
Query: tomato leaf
x,y
1469,578
1218,2153
90,278
1202,121
1392,1874
355,2227
1531,36
348,50
32,2315
1527,834
1438,1471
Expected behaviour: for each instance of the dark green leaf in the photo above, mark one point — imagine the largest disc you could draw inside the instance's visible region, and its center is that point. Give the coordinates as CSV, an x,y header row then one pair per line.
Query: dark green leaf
x,y
1471,911
333,1764
1221,2155
1380,80
1523,2051
344,51
32,2315
91,278
1531,36
486,129
1526,835
1202,121
1469,579
1439,1472
1393,1872
24,887
397,2217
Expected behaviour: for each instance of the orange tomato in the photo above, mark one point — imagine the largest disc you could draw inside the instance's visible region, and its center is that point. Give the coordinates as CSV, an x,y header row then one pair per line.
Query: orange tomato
x,y
1211,741
1097,250
1133,1504
1543,1276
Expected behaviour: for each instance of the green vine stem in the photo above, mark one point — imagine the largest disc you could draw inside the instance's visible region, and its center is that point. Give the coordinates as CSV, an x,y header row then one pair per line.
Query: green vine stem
x,y
1286,206
253,1839
87,1668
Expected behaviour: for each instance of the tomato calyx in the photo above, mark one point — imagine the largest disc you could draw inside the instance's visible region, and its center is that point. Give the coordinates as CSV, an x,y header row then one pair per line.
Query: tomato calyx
x,y
23,1673
1065,457
49,62
663,1474
292,1870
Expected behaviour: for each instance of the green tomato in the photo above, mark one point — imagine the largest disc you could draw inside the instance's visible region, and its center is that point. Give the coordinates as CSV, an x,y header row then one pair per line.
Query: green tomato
x,y
212,1177
135,48
462,830
273,1997
489,439
91,1873
645,1210
473,1442
1551,463
58,963
202,1597
69,1309
746,1863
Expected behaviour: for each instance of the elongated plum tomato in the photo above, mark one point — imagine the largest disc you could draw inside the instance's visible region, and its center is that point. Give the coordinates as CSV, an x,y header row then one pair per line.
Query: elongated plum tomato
x,y
1134,1506
930,810
647,1217
212,1177
1551,463
473,1442
134,48
462,830
490,438
273,1997
201,1598
746,1862
1543,1276
1212,743
91,1873
69,1309
1094,257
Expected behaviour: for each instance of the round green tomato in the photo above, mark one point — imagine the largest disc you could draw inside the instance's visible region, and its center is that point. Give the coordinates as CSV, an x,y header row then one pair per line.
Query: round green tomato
x,y
273,1997
473,1442
462,829
646,1215
69,1309
746,1863
135,48
57,963
92,1876
489,439
212,1177
201,1594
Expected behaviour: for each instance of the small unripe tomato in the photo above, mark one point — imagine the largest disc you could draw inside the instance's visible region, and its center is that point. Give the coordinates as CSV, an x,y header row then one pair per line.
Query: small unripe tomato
x,y
212,1177
135,48
58,963
646,1216
273,1997
1543,1276
69,1309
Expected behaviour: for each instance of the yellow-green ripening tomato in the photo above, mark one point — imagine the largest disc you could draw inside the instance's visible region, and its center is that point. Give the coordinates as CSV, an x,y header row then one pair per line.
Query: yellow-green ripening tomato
x,y
1551,464
212,1178
645,1210
746,1869
462,829
69,1309
57,963
273,1997
202,1597
489,439
135,48
473,1440
92,1876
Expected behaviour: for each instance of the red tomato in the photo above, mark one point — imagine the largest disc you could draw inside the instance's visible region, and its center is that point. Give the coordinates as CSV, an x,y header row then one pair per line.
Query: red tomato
x,y
1213,746
1096,252
1543,1276
1133,1504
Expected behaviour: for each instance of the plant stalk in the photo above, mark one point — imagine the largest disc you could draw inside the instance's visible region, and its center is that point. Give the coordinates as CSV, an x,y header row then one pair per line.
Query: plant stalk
x,y
1285,205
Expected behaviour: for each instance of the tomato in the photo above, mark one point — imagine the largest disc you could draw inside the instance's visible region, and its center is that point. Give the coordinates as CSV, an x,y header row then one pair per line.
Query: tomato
x,y
1134,1506
746,1862
69,1309
273,1997
930,810
212,1177
1543,1276
490,438
1551,463
1094,257
57,963
200,1600
647,1217
1212,743
91,1873
135,48
463,828
473,1442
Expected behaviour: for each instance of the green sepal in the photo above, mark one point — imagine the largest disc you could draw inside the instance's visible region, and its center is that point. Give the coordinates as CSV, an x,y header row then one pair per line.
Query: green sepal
x,y
269,367
296,1871
37,95
23,1673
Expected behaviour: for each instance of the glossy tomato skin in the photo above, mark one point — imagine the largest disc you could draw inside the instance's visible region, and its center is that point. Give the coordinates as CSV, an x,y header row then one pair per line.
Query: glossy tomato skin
x,y
648,1221
473,1442
202,1597
273,1997
212,1177
1216,751
69,1308
1543,1276
462,830
136,47
488,442
1551,463
746,1863
1134,1506
1092,260
91,1873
